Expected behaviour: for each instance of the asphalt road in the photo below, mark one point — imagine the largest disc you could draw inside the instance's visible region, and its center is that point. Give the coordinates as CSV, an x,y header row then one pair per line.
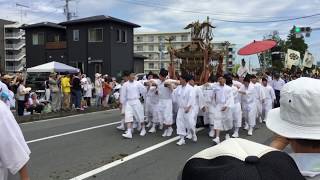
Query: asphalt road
x,y
71,146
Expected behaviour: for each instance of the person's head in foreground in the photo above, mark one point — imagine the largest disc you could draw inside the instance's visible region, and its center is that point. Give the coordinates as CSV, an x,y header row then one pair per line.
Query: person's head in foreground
x,y
298,118
240,159
297,122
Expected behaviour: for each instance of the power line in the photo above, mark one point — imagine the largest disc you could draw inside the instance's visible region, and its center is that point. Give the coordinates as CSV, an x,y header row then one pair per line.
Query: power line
x,y
217,14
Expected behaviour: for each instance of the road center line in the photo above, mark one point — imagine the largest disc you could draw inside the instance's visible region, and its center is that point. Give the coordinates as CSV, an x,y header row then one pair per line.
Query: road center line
x,y
127,158
72,132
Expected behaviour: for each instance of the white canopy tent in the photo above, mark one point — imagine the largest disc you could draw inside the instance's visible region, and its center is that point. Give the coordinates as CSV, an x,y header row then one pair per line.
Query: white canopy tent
x,y
53,67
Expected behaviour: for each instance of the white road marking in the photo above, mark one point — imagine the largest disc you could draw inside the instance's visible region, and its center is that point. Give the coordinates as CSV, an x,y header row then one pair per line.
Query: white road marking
x,y
59,118
72,132
125,159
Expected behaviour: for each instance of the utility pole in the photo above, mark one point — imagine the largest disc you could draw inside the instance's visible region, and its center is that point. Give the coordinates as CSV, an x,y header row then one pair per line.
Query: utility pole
x,y
69,15
21,10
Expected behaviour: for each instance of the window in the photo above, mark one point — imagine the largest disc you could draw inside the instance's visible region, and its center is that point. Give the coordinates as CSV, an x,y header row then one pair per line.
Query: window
x,y
38,38
139,48
151,48
80,66
151,65
151,38
98,68
139,38
96,35
118,35
123,36
184,37
76,35
174,38
160,38
53,38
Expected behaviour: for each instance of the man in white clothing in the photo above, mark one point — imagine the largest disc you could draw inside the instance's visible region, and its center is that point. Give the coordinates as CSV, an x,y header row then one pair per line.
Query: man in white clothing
x,y
248,103
150,101
165,111
236,108
133,109
260,96
270,98
198,103
209,104
223,115
243,70
277,85
185,118
122,106
14,151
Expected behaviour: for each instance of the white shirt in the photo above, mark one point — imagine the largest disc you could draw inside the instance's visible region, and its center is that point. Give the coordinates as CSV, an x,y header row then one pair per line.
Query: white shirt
x,y
14,151
132,91
224,95
185,96
308,164
163,92
4,88
152,96
236,83
199,99
259,91
236,94
278,84
269,92
208,94
250,95
242,71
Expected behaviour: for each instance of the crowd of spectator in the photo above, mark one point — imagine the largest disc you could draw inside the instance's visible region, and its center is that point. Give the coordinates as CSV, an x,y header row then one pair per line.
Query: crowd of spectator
x,y
63,92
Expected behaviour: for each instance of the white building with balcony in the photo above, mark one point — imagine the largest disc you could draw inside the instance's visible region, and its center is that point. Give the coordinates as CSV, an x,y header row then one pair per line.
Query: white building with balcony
x,y
154,46
12,47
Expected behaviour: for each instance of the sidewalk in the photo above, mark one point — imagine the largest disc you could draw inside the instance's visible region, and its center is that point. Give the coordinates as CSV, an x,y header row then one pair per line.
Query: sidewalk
x,y
43,116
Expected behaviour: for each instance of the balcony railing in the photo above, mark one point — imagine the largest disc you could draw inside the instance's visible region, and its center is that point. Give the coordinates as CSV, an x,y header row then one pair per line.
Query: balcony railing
x,y
56,45
16,57
15,68
15,46
14,35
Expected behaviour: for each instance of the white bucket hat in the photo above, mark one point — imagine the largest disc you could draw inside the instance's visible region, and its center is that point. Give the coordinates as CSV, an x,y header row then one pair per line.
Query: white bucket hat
x,y
299,114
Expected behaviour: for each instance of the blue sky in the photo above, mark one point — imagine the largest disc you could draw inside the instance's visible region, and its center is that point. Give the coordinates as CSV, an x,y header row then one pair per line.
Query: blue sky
x,y
173,15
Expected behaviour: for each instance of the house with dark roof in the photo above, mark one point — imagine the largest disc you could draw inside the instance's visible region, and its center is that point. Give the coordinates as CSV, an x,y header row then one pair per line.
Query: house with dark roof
x,y
101,44
97,44
45,42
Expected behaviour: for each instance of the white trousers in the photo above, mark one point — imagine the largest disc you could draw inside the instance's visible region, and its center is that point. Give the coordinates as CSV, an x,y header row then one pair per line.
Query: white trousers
x,y
134,109
223,119
165,115
250,114
185,121
3,174
259,108
196,113
148,109
47,94
211,114
237,115
266,107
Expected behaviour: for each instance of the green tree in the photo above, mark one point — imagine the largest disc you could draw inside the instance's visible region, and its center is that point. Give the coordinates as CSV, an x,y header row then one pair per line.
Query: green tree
x,y
294,43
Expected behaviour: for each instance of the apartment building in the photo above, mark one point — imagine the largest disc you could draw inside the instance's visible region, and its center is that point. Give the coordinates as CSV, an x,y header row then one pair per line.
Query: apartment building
x,y
12,47
154,47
